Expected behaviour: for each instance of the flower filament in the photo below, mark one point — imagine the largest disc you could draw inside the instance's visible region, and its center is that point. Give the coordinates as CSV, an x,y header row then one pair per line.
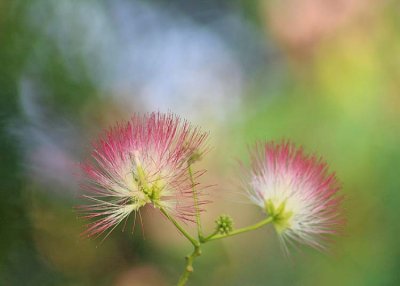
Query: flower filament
x,y
146,193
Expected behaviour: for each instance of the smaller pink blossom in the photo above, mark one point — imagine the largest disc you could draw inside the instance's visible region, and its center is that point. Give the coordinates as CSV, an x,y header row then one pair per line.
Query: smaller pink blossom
x,y
297,191
141,162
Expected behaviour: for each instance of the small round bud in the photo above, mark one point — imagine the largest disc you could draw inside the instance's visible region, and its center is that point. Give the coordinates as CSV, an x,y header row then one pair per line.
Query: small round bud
x,y
193,153
194,157
224,224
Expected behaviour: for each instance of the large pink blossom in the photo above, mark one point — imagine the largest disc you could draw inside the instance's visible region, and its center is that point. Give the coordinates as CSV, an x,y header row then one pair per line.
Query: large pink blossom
x,y
141,162
297,191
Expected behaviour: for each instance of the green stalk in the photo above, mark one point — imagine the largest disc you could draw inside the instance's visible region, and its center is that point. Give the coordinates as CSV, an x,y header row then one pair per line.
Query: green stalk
x,y
214,236
196,202
189,266
205,239
181,229
240,230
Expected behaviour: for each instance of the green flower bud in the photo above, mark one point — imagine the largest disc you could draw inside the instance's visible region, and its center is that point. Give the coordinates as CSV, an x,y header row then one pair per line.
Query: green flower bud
x,y
224,224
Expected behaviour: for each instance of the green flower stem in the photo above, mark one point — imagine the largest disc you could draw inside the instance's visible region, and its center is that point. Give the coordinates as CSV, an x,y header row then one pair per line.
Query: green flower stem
x,y
196,244
240,230
205,239
189,266
181,229
196,202
189,259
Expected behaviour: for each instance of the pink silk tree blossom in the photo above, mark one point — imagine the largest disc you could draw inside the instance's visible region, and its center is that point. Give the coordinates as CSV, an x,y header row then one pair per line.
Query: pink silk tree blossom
x,y
297,191
141,162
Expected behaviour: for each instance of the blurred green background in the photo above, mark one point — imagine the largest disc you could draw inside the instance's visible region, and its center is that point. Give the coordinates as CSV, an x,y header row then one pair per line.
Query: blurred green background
x,y
325,74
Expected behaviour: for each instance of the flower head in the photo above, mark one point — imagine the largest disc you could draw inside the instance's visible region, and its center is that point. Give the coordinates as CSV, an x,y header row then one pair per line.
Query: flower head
x,y
296,191
141,162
